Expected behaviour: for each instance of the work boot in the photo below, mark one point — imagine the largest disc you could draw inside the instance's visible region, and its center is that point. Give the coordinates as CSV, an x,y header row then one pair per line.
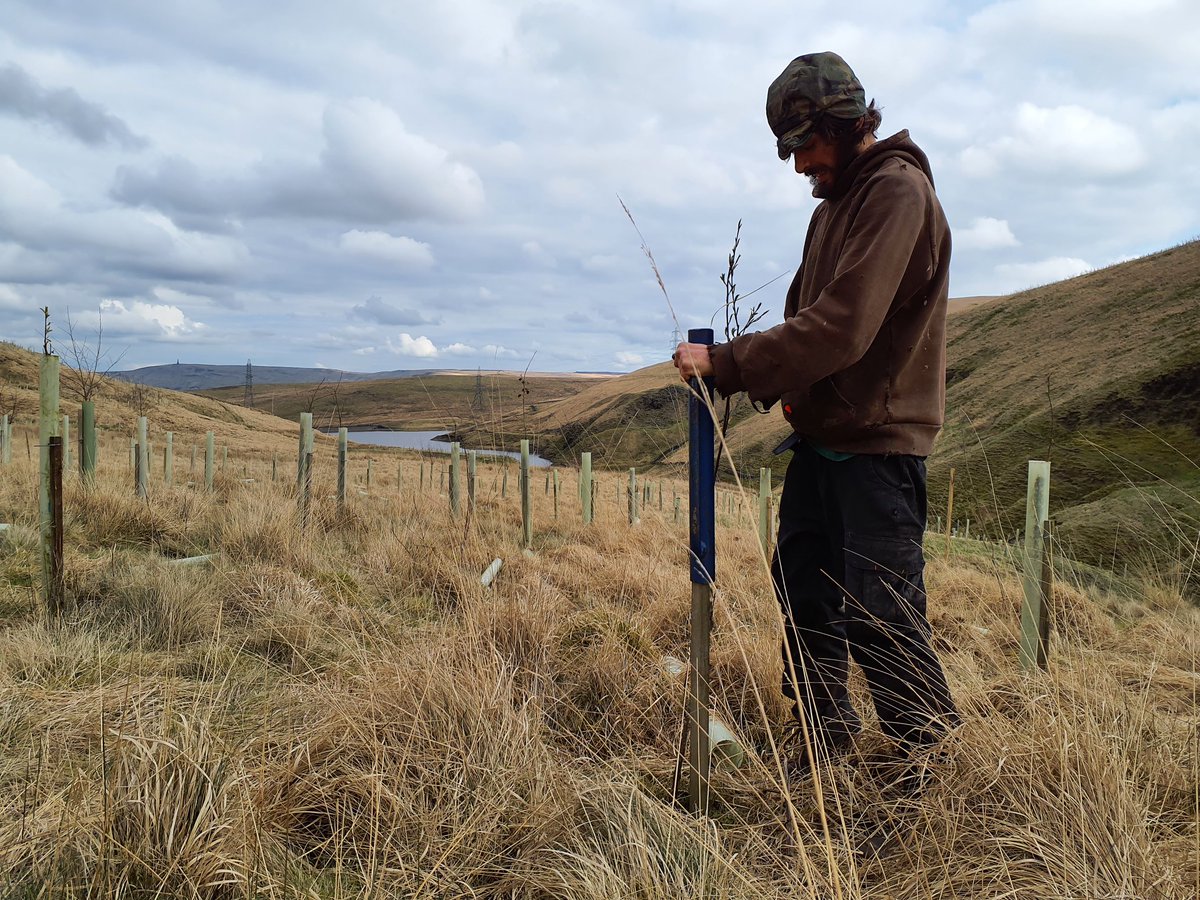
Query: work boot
x,y
827,748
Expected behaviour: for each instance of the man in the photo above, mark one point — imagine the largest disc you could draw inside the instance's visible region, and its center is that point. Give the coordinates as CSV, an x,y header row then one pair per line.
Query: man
x,y
859,365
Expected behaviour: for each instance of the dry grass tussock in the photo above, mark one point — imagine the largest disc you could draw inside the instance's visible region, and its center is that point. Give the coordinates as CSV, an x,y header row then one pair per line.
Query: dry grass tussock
x,y
345,711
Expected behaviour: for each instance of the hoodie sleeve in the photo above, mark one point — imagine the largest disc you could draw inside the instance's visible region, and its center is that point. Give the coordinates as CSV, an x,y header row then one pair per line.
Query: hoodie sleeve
x,y
837,329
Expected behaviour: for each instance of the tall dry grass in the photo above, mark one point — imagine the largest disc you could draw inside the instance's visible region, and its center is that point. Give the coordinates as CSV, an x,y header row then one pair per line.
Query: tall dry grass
x,y
346,712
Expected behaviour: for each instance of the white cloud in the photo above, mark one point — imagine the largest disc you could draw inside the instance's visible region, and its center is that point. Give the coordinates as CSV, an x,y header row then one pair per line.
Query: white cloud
x,y
1018,276
136,318
407,345
985,233
1069,140
35,215
460,349
370,169
626,358
403,252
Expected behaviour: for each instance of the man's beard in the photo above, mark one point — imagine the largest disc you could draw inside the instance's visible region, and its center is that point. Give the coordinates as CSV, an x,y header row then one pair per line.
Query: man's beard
x,y
823,190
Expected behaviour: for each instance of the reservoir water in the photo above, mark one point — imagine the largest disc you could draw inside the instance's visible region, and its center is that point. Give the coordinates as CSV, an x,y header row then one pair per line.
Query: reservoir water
x,y
431,441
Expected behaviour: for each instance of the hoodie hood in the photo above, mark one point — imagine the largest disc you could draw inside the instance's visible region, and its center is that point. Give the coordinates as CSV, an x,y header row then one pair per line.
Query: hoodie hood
x,y
899,145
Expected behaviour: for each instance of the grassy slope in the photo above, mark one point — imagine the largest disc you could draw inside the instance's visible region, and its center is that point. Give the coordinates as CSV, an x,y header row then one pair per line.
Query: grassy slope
x,y
188,415
426,402
1100,374
349,714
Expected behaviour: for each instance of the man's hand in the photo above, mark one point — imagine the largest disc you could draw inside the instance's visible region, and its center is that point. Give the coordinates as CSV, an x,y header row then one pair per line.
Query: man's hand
x,y
692,361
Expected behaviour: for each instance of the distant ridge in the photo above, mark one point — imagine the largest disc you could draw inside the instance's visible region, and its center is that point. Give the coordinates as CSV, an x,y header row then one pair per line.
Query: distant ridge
x,y
202,377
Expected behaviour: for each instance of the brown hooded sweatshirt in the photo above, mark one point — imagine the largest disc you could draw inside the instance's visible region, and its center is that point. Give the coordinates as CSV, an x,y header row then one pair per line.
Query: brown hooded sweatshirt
x,y
860,358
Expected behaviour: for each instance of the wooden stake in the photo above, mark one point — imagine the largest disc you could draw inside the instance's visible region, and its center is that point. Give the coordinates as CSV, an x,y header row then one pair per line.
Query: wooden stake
x,y
55,585
48,425
169,459
702,543
555,473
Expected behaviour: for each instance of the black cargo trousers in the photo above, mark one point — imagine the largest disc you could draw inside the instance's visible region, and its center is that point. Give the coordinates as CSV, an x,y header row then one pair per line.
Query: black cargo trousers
x,y
848,572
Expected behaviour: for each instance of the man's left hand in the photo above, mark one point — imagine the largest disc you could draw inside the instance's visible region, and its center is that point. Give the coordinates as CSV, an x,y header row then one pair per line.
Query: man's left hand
x,y
692,361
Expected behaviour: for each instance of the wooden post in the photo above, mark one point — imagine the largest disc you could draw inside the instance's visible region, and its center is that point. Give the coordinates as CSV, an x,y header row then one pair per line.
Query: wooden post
x,y
471,473
169,459
143,458
676,510
368,474
764,509
555,474
192,465
421,473
633,498
342,453
455,488
274,465
1037,505
5,441
547,491
504,482
210,450
585,489
702,543
48,425
526,500
133,452
950,511
87,442
225,455
399,476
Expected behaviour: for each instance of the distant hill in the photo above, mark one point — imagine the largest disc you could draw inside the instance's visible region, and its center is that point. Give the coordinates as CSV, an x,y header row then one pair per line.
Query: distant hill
x,y
201,377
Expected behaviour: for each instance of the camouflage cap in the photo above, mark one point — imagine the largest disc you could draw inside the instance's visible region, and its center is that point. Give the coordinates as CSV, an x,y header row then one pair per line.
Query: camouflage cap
x,y
812,85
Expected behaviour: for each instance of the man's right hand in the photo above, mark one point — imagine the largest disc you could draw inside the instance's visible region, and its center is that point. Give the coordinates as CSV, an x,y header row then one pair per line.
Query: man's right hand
x,y
692,361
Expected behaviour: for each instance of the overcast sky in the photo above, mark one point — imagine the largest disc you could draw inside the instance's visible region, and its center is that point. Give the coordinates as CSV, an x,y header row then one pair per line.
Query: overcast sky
x,y
382,185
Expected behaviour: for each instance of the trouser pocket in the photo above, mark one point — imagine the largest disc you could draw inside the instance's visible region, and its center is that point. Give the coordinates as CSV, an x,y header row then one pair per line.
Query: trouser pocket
x,y
889,633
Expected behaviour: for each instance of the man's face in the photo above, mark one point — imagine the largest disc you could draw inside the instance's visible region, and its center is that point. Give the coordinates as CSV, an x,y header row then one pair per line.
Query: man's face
x,y
821,161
